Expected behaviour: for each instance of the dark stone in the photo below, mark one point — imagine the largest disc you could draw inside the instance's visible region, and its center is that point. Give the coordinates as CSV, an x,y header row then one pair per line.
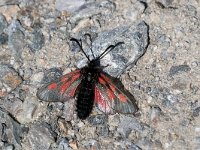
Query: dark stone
x,y
37,40
196,112
133,147
174,70
3,38
164,3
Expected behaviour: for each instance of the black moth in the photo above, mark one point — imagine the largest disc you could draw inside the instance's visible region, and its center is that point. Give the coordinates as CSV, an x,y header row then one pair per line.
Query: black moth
x,y
89,85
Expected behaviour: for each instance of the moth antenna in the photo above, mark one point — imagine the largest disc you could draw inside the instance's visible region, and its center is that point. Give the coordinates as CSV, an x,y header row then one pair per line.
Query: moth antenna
x,y
80,45
108,49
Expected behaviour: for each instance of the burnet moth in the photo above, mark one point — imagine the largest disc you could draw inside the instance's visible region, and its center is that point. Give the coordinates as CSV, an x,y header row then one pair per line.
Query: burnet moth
x,y
89,85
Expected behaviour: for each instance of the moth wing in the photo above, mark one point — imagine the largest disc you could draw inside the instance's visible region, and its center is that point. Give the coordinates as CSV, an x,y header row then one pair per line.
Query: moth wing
x,y
101,100
109,98
61,89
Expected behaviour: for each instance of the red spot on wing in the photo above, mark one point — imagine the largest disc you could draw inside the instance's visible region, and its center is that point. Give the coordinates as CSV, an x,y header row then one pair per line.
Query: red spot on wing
x,y
122,98
100,101
52,86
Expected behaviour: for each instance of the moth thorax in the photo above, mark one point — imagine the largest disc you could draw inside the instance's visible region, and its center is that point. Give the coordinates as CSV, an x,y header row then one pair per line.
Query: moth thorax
x,y
89,77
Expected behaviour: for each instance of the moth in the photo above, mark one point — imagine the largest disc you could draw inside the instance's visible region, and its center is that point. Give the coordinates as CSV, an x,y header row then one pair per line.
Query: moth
x,y
90,86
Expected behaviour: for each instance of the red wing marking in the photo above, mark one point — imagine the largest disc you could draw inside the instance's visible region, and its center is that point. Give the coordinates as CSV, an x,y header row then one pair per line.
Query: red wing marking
x,y
52,86
122,98
67,84
65,78
112,86
107,79
102,81
73,91
111,98
111,95
100,101
64,86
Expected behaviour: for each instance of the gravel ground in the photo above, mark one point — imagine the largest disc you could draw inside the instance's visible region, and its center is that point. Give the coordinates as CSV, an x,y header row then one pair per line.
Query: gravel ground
x,y
158,64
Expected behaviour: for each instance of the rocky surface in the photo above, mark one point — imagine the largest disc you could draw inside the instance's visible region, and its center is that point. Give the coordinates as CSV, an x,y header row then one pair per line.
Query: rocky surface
x,y
158,64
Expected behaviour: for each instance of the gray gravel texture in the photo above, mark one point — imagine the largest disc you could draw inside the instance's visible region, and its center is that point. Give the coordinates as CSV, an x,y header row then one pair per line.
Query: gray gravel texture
x,y
159,64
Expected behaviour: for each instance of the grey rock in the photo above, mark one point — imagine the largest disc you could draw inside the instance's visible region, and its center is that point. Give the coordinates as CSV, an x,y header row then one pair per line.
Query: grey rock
x,y
197,142
36,40
153,91
133,147
13,106
145,144
9,2
9,147
29,110
123,56
3,23
127,124
196,112
90,9
3,38
102,131
155,114
68,5
164,3
10,130
62,144
97,120
168,99
194,88
92,144
16,38
174,70
69,109
40,137
113,120
9,79
185,122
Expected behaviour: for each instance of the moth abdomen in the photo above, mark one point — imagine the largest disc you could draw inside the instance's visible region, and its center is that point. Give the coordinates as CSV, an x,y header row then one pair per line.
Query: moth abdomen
x,y
85,99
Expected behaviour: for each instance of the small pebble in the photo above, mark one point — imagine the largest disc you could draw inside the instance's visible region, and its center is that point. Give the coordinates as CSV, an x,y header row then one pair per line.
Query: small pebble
x,y
174,70
3,38
9,79
36,40
155,115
